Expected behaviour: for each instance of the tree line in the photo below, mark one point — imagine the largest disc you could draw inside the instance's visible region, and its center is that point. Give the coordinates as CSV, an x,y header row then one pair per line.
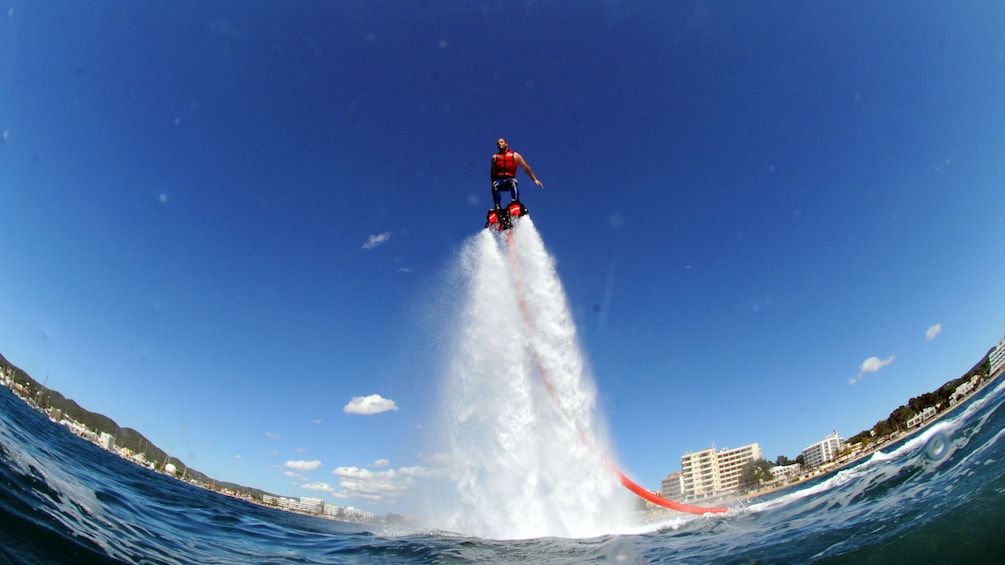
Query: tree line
x,y
48,400
756,473
939,398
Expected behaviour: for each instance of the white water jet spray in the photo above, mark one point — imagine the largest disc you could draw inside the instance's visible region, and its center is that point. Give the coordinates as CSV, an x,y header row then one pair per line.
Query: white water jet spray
x,y
527,454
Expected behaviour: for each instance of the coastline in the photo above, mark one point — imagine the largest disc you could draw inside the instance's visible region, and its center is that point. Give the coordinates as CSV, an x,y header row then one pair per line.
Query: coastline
x,y
852,459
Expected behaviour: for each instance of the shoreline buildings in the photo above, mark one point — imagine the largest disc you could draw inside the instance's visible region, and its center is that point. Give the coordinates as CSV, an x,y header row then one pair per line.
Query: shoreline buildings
x,y
709,473
824,451
318,507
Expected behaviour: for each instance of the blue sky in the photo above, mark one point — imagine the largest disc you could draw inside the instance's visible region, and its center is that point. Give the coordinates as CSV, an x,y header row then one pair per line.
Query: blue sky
x,y
225,221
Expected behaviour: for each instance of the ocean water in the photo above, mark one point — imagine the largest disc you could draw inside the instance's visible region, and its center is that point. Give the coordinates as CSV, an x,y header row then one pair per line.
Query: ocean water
x,y
935,498
525,480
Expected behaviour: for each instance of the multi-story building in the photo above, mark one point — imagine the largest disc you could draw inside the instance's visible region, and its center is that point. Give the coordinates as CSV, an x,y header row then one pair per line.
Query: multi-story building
x,y
106,440
698,474
711,473
316,506
824,451
997,357
927,414
781,472
964,389
303,505
672,486
356,513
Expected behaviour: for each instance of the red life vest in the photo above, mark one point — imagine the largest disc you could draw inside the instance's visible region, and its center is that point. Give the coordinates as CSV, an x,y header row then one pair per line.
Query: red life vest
x,y
504,165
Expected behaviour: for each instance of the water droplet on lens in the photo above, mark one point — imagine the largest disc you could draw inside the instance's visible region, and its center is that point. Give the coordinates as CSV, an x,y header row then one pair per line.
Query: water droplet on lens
x,y
937,446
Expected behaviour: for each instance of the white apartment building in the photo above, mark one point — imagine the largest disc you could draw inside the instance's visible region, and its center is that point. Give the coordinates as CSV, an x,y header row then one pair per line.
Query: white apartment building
x,y
927,414
304,505
963,390
307,505
826,450
997,357
786,471
107,441
711,473
355,513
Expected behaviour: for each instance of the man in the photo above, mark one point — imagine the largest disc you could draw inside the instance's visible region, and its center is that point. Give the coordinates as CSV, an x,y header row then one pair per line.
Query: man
x,y
503,171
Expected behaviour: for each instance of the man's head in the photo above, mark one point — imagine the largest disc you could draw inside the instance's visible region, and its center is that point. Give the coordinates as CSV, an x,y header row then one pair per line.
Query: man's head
x,y
502,144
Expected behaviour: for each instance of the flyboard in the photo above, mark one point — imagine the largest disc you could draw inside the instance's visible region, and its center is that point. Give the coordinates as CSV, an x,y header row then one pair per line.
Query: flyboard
x,y
504,219
501,219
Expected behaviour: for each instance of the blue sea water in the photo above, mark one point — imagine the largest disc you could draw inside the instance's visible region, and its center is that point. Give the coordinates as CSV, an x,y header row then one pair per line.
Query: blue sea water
x,y
937,497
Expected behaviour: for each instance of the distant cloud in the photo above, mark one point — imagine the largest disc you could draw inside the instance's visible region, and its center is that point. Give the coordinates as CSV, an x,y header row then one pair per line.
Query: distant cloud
x,y
367,405
870,365
375,240
303,466
377,486
271,435
873,364
316,421
387,485
933,332
405,269
295,476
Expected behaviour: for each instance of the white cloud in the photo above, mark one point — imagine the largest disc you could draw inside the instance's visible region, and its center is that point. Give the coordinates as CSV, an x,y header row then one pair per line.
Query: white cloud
x,y
873,364
367,405
295,476
375,240
271,435
323,487
382,485
870,365
377,486
933,332
303,465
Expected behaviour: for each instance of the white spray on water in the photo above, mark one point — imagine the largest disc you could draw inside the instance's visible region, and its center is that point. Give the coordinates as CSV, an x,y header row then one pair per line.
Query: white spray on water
x,y
524,436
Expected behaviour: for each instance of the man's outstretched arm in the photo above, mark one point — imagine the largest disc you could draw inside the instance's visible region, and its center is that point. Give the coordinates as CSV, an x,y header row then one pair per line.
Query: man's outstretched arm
x,y
527,169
